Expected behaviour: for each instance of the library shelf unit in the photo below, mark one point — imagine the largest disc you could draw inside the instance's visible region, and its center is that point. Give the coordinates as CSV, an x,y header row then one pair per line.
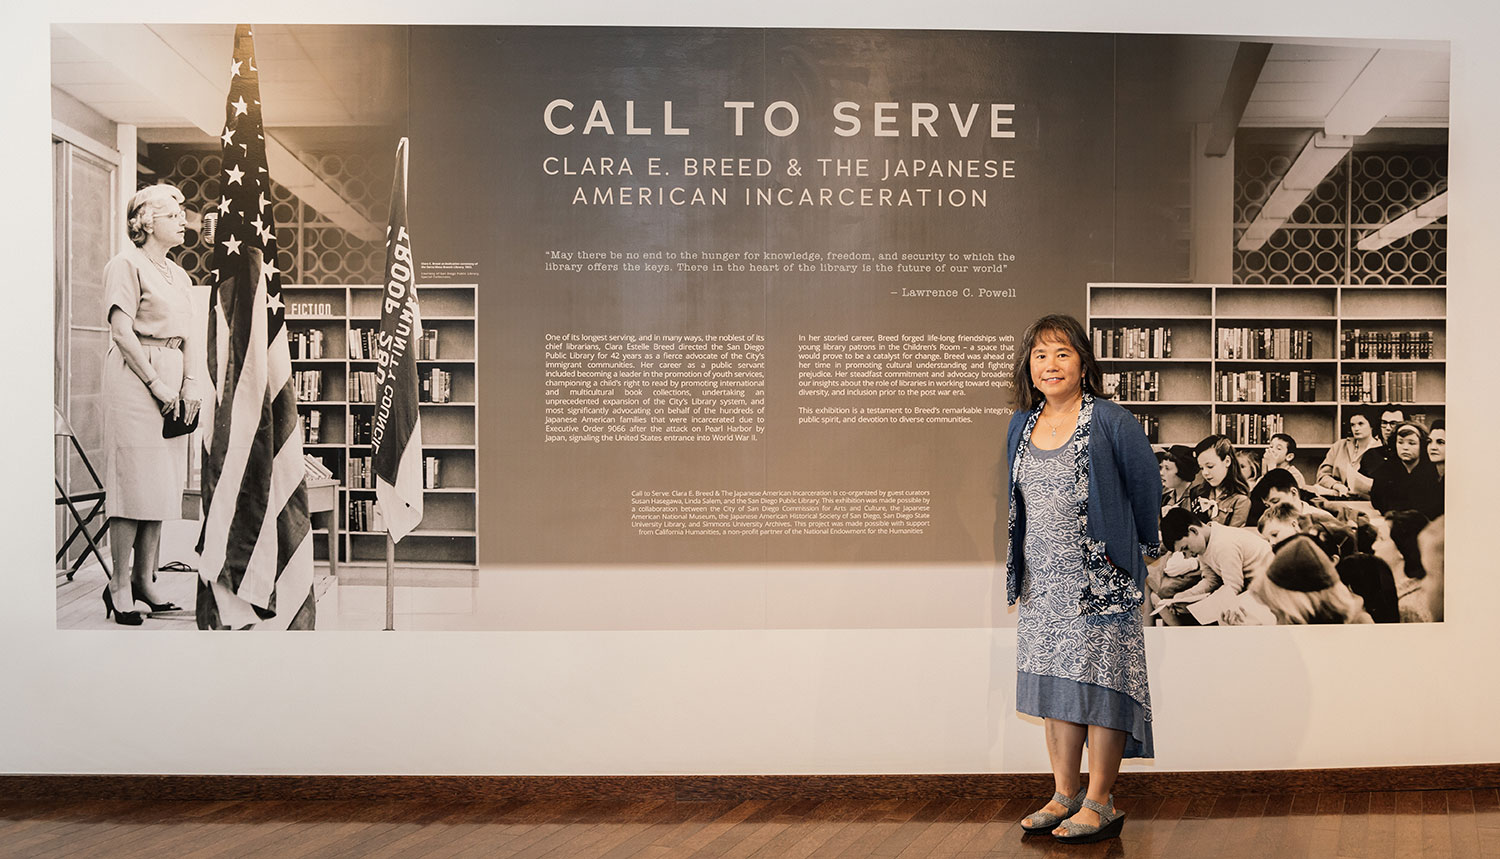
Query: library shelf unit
x,y
448,535
1380,340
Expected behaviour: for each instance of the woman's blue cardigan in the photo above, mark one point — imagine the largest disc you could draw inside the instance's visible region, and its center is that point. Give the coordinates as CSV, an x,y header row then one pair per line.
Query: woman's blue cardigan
x,y
1124,505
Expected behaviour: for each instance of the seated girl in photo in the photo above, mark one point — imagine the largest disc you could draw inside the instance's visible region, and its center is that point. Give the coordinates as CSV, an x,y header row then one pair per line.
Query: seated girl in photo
x,y
1222,495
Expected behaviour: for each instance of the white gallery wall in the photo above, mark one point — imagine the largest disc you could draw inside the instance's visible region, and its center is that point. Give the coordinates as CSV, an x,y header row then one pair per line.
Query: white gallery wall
x,y
905,697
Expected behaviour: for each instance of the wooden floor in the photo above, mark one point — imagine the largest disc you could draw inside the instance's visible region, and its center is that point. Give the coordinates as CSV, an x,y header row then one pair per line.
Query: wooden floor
x,y
1428,824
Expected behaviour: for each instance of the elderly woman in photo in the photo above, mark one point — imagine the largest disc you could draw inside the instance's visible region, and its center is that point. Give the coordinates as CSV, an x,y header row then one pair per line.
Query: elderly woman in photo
x,y
148,309
1085,493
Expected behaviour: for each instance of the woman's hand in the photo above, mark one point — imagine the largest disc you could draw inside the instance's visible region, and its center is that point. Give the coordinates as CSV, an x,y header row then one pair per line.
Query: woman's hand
x,y
172,406
190,409
163,393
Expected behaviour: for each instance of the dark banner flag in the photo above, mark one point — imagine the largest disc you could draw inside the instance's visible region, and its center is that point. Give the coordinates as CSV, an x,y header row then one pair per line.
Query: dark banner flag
x,y
396,435
256,545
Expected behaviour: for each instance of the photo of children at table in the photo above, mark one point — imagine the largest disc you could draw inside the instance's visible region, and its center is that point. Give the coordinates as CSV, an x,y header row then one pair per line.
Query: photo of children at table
x,y
1229,559
1286,552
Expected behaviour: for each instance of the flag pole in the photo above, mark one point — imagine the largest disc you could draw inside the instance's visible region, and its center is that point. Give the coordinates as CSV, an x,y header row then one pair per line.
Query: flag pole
x,y
390,582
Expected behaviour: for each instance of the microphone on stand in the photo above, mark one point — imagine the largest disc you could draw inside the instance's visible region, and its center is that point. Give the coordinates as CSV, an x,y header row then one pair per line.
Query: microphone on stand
x,y
210,226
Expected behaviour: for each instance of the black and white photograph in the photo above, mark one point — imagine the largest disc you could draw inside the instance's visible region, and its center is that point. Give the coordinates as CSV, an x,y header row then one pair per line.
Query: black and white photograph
x,y
723,430
760,306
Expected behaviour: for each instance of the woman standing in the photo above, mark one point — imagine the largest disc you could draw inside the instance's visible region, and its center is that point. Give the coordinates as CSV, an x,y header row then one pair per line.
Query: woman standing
x,y
1084,496
148,307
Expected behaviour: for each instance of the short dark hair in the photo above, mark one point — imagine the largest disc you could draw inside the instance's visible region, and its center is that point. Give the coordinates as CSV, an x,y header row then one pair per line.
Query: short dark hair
x,y
1187,463
1069,330
1276,478
1175,524
1421,434
1291,443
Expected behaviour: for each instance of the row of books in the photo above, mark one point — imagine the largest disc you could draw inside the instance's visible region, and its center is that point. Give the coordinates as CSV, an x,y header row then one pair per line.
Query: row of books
x,y
309,384
1266,386
315,466
362,387
1248,428
307,344
1152,425
1386,345
364,515
1383,387
1133,342
1275,344
1135,385
364,344
361,476
361,427
312,426
437,386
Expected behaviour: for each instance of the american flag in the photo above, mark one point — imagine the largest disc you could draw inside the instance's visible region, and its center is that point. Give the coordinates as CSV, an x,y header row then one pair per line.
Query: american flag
x,y
396,436
257,556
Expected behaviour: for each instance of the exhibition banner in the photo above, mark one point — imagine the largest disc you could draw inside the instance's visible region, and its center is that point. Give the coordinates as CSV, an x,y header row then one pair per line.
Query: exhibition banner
x,y
753,299
754,295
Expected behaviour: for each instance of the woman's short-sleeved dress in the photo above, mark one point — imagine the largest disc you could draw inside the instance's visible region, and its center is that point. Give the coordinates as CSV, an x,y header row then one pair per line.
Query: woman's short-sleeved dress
x,y
1087,669
144,474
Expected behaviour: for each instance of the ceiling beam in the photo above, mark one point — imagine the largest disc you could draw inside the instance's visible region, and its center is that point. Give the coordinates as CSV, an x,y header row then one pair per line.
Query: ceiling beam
x,y
1381,85
140,55
1249,59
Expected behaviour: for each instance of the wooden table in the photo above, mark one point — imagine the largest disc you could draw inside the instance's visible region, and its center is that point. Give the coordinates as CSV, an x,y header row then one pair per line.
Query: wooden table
x,y
322,498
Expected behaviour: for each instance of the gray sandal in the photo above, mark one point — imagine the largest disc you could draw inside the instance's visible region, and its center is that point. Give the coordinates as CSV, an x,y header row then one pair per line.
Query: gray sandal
x,y
1111,822
1041,820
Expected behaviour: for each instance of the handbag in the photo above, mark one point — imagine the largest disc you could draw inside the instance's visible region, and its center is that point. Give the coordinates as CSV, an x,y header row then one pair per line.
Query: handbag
x,y
173,425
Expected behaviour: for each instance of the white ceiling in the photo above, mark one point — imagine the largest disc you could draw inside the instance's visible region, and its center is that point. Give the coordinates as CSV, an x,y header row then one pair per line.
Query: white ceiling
x,y
1301,84
354,74
311,75
169,81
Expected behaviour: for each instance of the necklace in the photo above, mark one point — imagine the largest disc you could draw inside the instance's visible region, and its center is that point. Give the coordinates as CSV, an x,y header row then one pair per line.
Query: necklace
x,y
1058,422
165,266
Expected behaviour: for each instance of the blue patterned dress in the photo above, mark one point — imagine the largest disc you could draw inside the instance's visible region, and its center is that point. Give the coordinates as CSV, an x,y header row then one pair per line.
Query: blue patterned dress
x,y
1089,669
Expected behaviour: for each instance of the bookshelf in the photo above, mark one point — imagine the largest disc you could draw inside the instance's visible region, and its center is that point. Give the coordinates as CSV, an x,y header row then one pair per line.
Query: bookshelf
x,y
1252,358
328,327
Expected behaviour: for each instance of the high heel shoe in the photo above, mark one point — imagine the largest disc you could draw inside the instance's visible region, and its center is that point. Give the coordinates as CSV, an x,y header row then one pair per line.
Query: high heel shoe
x,y
160,606
1111,821
1046,821
124,618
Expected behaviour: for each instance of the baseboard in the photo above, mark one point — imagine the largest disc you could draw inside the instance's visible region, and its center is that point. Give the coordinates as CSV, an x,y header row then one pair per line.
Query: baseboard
x,y
722,787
